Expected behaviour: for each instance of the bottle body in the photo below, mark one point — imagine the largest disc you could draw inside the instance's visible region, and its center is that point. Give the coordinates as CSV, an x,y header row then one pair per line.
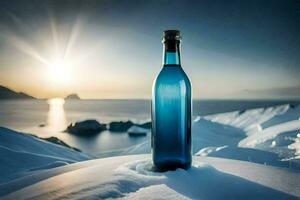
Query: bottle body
x,y
171,113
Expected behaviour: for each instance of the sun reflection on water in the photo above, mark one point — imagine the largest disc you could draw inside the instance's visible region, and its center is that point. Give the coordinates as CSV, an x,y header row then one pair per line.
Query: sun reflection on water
x,y
56,116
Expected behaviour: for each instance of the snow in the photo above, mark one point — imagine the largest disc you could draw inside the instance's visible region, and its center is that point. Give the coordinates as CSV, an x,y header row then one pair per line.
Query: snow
x,y
155,192
205,133
269,133
132,177
252,135
209,150
290,115
296,146
272,130
137,131
249,120
250,154
21,154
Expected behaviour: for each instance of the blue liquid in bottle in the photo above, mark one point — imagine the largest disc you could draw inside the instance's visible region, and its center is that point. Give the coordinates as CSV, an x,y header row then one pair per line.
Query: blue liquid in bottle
x,y
171,111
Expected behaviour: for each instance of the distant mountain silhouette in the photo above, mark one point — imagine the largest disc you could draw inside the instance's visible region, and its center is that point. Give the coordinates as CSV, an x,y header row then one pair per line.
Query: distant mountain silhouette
x,y
271,93
6,93
73,97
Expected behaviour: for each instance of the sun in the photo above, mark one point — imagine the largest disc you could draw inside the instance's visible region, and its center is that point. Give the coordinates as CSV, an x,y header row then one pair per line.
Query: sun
x,y
59,72
60,60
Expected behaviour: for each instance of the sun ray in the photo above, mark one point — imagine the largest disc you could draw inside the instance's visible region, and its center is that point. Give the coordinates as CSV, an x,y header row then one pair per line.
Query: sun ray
x,y
19,43
53,27
60,58
76,28
23,46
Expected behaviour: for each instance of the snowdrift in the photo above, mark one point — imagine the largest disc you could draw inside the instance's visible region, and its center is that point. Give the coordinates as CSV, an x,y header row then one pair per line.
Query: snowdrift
x,y
269,136
132,177
21,154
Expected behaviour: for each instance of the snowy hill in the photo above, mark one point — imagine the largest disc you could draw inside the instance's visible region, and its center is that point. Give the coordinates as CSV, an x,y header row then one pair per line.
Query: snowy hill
x,y
250,154
131,177
268,136
22,154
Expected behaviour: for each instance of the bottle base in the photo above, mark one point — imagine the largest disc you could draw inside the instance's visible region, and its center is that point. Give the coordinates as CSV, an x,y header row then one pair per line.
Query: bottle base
x,y
170,166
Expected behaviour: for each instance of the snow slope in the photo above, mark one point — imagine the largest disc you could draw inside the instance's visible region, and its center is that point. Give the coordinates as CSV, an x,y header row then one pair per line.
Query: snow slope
x,y
132,177
268,136
248,154
205,133
250,120
21,154
35,169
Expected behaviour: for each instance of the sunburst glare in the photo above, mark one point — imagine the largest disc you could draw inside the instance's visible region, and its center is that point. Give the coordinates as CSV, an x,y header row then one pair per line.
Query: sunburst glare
x,y
54,50
59,72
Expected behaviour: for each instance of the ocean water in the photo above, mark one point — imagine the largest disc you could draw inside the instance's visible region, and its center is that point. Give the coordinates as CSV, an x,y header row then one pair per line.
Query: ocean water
x,y
57,114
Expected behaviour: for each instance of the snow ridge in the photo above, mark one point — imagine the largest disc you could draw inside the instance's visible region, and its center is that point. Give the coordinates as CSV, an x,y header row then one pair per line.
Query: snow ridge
x,y
22,154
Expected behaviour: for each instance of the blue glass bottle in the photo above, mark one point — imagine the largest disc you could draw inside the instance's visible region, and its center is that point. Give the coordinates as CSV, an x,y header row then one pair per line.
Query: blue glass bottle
x,y
171,111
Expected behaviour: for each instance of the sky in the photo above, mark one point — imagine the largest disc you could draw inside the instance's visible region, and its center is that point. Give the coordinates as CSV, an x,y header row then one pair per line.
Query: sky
x,y
109,49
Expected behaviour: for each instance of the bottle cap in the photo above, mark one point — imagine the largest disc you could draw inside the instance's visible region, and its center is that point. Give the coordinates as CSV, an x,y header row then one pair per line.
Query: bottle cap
x,y
172,35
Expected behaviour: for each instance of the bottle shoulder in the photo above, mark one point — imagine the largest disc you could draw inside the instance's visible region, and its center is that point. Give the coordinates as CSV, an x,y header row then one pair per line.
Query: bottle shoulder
x,y
172,74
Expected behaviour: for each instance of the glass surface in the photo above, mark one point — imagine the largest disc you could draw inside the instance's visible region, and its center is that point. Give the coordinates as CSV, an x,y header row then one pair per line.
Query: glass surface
x,y
171,119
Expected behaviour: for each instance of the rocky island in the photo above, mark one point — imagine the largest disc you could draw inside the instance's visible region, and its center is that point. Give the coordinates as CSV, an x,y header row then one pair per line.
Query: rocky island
x,y
72,97
86,128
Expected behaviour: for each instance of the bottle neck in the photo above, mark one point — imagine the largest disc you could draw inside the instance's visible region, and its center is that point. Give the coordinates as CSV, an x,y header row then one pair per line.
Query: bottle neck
x,y
171,55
